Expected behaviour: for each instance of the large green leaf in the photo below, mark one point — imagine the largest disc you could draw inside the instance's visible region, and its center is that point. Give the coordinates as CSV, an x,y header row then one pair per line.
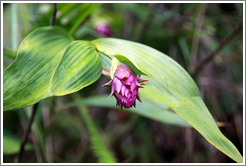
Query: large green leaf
x,y
170,84
47,65
148,108
26,81
80,66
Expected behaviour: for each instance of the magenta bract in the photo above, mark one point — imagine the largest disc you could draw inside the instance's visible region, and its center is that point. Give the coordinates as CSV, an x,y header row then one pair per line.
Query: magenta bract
x,y
125,86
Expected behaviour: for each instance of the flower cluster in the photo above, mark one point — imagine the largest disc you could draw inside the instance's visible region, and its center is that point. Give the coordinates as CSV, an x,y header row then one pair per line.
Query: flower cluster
x,y
125,86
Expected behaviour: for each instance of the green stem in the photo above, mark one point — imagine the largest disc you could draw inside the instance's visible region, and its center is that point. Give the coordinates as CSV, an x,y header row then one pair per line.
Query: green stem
x,y
196,38
26,134
14,26
82,18
53,18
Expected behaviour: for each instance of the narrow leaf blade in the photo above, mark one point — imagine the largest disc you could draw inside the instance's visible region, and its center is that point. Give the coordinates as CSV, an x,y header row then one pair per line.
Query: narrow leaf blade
x,y
98,144
147,108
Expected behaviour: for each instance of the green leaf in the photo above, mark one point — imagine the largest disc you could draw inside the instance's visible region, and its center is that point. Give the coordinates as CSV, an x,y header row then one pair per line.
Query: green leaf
x,y
170,84
11,144
148,108
98,144
106,61
11,54
80,66
26,81
66,9
14,26
47,65
119,59
184,49
125,60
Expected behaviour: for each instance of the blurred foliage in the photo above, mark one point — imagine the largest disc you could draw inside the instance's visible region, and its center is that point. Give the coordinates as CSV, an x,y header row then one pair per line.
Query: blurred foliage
x,y
11,144
59,136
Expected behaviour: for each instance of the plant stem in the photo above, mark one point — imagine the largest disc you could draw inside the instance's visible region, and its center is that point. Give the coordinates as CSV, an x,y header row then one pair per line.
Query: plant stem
x,y
48,124
189,142
37,150
83,18
53,18
146,23
26,134
222,44
195,41
14,25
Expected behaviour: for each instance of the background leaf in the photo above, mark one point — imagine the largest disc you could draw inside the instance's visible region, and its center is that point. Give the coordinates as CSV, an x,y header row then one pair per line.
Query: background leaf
x,y
11,144
84,12
80,66
148,108
26,81
11,54
98,144
171,84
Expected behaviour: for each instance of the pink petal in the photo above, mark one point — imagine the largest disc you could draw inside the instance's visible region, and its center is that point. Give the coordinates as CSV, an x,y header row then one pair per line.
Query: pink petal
x,y
126,83
140,86
127,92
133,87
118,85
138,97
108,83
121,74
128,97
130,80
123,90
141,79
112,90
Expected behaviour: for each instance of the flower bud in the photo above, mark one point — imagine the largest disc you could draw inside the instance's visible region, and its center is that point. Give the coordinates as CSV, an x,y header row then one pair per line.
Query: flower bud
x,y
104,29
125,86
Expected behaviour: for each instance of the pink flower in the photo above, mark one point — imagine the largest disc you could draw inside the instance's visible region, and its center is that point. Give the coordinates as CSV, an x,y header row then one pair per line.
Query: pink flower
x,y
104,29
125,86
